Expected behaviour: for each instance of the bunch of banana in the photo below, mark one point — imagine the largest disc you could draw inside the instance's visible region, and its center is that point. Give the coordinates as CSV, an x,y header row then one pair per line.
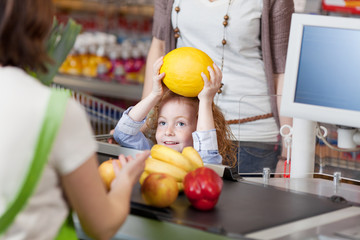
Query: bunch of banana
x,y
167,160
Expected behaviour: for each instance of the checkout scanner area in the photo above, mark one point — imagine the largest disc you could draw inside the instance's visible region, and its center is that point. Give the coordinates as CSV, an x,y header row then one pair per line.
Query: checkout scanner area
x,y
318,198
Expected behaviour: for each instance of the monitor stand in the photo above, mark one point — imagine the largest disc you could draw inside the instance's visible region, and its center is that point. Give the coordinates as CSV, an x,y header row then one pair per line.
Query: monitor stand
x,y
303,148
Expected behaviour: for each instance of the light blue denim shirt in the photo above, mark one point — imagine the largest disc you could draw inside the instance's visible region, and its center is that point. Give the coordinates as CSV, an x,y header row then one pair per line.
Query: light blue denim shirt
x,y
127,133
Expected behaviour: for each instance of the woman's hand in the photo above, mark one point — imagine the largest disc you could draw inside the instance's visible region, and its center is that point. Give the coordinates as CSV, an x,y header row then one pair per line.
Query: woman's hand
x,y
130,170
211,86
157,89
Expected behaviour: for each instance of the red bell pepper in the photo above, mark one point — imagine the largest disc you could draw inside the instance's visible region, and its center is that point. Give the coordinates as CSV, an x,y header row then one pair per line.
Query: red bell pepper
x,y
203,187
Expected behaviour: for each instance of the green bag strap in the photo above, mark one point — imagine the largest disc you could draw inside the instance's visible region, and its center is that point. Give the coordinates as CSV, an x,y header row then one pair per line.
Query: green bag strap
x,y
67,230
53,118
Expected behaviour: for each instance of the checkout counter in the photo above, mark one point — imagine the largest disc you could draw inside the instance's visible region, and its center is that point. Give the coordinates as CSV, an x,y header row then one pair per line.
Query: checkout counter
x,y
248,208
320,85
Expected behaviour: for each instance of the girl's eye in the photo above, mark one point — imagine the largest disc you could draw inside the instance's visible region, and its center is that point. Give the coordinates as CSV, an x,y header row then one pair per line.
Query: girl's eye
x,y
181,124
161,123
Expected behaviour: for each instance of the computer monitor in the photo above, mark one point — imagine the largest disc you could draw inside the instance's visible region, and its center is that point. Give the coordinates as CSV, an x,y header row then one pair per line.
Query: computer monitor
x,y
322,74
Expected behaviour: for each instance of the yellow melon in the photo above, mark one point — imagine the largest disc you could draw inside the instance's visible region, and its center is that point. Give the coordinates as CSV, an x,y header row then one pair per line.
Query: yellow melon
x,y
183,67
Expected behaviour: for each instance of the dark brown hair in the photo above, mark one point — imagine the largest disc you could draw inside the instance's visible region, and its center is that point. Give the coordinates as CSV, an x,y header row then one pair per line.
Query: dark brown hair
x,y
223,132
24,26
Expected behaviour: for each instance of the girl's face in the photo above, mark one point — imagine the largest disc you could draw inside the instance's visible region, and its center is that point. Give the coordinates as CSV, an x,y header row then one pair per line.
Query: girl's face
x,y
177,121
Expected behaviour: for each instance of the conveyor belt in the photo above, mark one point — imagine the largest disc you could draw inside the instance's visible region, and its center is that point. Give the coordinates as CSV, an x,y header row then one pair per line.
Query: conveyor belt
x,y
243,208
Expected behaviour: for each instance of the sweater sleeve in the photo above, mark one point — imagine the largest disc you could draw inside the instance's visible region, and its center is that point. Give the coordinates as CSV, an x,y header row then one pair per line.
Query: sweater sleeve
x,y
280,19
127,133
205,142
159,19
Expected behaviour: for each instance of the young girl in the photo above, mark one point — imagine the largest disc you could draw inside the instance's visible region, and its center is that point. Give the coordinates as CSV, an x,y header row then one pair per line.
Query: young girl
x,y
178,121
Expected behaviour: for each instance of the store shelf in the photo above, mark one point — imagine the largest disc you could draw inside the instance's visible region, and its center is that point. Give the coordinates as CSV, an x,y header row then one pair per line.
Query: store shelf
x,y
107,89
111,8
347,7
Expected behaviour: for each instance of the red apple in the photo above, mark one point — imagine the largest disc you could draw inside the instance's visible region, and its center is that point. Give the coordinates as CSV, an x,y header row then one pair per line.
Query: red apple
x,y
203,187
159,190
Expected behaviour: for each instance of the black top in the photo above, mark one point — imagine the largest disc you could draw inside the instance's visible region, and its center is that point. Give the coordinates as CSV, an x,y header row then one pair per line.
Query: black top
x,y
242,208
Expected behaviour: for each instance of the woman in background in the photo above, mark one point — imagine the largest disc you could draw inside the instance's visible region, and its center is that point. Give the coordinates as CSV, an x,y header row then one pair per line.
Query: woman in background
x,y
248,39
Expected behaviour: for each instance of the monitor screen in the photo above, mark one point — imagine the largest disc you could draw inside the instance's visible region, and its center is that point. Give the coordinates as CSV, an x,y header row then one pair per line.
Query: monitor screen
x,y
322,75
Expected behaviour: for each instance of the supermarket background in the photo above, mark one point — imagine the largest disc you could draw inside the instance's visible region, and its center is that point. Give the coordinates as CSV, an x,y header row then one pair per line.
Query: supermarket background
x,y
105,69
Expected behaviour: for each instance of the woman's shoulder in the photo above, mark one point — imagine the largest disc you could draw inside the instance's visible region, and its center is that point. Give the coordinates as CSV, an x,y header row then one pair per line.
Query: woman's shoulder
x,y
277,5
75,128
21,83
